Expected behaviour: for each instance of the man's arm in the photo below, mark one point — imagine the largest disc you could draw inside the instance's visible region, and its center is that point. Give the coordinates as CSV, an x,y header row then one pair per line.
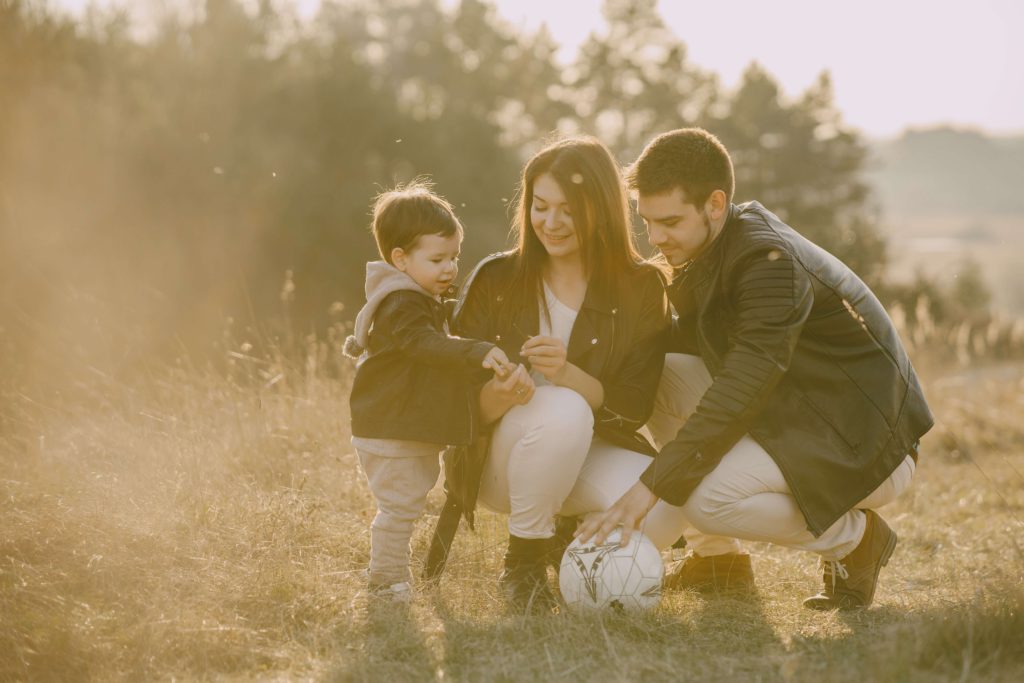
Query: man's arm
x,y
772,299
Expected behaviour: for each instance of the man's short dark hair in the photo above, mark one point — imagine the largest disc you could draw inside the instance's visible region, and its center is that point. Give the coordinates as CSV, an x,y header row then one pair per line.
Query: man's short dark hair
x,y
689,158
404,214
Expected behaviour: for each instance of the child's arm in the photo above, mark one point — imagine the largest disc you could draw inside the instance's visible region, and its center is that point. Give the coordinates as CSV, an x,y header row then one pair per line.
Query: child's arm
x,y
406,317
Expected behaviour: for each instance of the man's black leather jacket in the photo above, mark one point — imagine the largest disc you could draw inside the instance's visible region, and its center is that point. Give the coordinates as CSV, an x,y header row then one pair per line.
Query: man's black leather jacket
x,y
803,358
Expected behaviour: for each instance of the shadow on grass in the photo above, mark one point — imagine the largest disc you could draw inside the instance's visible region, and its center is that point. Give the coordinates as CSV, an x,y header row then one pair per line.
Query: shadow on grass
x,y
978,639
386,644
670,643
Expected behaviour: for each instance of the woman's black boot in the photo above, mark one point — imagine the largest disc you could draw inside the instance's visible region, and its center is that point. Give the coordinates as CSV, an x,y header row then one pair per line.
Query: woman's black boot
x,y
524,580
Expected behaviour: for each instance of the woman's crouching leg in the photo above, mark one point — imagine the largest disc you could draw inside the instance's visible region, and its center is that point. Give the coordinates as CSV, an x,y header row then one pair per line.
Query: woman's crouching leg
x,y
609,471
535,457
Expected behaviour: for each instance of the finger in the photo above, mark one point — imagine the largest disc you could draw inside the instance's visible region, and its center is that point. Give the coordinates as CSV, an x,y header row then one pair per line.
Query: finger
x,y
535,340
544,352
588,527
627,533
538,363
601,535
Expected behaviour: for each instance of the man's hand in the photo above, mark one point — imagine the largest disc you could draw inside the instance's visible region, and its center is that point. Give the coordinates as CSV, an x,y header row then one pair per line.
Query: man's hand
x,y
627,511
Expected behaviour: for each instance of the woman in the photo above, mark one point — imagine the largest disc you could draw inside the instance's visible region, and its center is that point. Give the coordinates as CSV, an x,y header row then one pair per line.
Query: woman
x,y
586,318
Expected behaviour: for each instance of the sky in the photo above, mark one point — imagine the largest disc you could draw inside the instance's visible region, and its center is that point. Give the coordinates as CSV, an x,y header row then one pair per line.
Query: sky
x,y
894,63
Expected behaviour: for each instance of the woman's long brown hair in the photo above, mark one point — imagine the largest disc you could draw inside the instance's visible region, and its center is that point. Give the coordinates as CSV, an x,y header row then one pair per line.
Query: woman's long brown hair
x,y
592,183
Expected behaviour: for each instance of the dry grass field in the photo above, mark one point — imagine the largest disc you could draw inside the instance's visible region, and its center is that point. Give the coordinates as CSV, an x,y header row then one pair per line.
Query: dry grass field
x,y
207,525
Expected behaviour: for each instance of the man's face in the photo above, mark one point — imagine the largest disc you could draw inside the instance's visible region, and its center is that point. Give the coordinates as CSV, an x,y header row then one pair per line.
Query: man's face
x,y
675,227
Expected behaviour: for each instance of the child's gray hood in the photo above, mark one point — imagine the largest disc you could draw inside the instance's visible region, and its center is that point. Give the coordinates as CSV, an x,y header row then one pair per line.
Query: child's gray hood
x,y
382,279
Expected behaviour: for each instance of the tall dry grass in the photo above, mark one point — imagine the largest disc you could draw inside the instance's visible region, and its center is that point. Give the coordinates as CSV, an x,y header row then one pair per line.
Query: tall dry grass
x,y
208,524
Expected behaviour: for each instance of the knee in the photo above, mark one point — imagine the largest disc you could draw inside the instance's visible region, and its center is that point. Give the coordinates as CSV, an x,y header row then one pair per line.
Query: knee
x,y
683,381
684,364
395,520
705,508
563,414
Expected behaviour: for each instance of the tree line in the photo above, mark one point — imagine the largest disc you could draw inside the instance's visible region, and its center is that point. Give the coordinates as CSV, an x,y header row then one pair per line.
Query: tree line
x,y
222,167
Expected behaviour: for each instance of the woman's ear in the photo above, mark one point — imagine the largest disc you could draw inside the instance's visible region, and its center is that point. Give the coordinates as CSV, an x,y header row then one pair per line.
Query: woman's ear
x,y
399,258
717,205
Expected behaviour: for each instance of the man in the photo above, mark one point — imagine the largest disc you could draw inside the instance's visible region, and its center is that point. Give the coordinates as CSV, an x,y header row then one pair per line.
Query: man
x,y
809,413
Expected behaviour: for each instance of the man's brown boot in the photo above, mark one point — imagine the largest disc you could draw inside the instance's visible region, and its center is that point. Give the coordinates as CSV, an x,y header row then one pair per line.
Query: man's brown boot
x,y
850,583
725,572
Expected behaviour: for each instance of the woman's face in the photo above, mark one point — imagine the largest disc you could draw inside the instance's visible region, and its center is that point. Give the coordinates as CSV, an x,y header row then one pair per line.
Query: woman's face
x,y
551,220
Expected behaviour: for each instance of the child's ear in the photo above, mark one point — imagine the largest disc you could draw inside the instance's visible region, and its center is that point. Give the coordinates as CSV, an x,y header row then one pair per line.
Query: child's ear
x,y
399,258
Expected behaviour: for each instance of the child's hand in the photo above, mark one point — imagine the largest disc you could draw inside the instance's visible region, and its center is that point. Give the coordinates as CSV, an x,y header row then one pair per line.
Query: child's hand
x,y
498,362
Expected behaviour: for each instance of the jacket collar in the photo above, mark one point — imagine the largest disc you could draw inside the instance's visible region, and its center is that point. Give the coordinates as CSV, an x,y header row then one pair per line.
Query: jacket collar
x,y
599,297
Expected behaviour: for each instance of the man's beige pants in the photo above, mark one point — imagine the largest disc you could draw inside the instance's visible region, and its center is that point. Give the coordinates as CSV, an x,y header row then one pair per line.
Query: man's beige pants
x,y
544,460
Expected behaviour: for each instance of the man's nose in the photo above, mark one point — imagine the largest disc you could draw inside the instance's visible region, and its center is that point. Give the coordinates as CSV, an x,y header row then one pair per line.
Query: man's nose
x,y
654,236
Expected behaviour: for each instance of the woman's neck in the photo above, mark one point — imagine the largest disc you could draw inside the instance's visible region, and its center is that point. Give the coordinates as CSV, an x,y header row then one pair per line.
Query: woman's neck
x,y
564,269
567,281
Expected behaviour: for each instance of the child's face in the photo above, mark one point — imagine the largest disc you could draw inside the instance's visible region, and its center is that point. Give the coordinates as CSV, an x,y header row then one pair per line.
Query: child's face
x,y
433,263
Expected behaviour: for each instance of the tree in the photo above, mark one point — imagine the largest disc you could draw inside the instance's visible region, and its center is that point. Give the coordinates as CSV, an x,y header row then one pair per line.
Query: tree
x,y
633,81
802,163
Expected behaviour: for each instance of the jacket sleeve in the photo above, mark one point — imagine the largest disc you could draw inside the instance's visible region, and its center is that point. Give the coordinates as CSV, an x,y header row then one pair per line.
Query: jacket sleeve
x,y
629,393
772,298
410,324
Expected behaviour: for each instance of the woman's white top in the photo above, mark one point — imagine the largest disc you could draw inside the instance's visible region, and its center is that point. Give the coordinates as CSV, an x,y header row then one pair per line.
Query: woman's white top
x,y
562,320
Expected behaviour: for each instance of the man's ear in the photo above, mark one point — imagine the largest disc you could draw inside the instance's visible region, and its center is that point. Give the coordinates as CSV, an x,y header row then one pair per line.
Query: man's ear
x,y
399,258
717,205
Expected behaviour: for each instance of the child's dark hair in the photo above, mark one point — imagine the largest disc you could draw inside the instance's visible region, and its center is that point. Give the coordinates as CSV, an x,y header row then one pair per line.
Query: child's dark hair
x,y
402,215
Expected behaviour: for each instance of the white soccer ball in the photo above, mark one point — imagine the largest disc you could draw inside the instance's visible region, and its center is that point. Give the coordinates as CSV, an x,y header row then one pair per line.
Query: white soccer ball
x,y
600,576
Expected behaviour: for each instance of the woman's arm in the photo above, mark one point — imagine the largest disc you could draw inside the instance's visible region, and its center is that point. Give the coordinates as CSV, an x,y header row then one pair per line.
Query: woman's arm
x,y
475,317
547,355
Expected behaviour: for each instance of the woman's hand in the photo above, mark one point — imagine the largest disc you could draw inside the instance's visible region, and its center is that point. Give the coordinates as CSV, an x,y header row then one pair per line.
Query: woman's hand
x,y
499,394
547,356
516,388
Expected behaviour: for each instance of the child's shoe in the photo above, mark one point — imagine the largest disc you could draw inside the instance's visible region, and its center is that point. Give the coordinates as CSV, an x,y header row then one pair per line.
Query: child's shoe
x,y
396,592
